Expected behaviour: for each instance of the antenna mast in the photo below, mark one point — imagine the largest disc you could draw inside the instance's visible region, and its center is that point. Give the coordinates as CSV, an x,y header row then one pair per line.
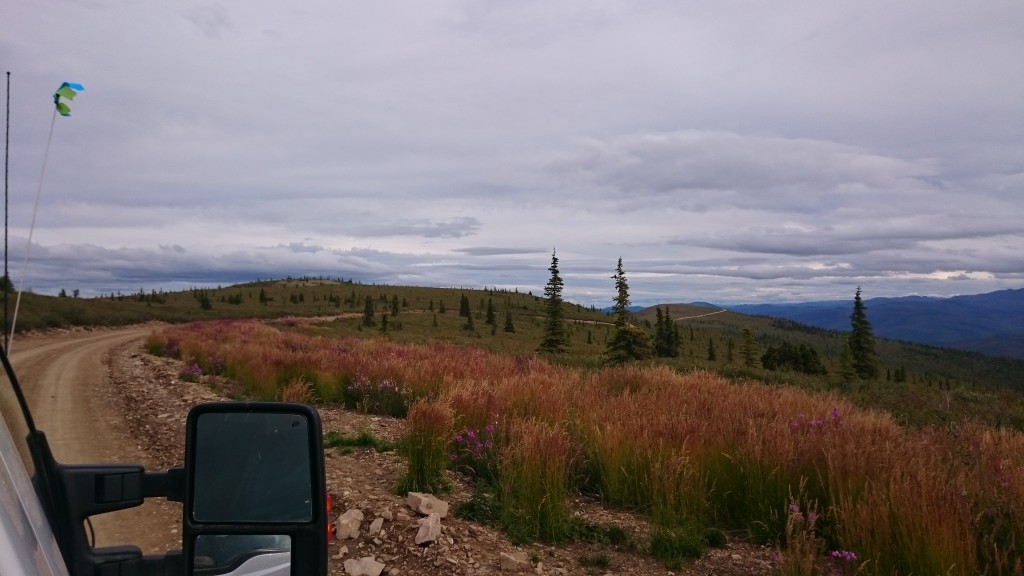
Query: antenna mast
x,y
7,147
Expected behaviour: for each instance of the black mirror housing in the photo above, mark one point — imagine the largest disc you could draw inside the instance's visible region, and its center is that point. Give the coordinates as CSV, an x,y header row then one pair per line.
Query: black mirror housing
x,y
254,487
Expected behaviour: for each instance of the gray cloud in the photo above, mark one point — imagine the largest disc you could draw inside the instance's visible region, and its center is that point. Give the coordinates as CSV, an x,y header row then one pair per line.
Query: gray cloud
x,y
783,151
721,168
499,251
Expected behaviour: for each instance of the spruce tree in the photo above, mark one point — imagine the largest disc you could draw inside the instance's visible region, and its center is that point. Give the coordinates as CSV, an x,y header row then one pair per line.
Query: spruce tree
x,y
862,341
666,335
509,327
749,349
464,306
490,319
368,313
659,333
554,339
627,342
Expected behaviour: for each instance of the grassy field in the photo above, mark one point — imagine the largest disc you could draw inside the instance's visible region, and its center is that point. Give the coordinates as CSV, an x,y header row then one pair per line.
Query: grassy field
x,y
942,386
921,476
840,488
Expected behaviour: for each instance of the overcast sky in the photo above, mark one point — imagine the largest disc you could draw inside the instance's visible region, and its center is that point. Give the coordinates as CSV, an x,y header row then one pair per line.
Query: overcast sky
x,y
731,152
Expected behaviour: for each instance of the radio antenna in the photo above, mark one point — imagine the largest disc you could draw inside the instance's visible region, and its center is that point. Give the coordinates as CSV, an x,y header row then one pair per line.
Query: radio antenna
x,y
7,158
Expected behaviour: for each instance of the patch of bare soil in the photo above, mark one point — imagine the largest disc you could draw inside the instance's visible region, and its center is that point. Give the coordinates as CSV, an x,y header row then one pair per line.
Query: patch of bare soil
x,y
147,392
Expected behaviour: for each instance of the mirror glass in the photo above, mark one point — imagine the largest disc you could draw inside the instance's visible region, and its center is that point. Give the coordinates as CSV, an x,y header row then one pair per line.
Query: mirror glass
x,y
265,554
252,467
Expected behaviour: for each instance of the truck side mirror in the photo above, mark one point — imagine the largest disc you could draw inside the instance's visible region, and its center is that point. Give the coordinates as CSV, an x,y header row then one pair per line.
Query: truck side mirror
x,y
255,493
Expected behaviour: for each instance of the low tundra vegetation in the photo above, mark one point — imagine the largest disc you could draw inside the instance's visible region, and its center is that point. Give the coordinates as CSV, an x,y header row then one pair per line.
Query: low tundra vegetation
x,y
840,490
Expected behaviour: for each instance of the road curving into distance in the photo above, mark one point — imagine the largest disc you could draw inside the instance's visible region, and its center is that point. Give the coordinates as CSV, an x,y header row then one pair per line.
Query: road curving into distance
x,y
66,380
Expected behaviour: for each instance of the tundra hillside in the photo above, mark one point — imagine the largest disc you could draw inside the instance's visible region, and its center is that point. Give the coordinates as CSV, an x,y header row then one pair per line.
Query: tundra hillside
x,y
836,486
788,457
918,385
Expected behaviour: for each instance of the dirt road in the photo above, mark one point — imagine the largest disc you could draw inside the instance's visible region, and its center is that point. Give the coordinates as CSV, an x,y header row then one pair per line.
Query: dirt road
x,y
67,386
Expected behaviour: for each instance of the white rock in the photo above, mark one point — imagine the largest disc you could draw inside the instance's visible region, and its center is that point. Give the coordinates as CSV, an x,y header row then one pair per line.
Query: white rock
x,y
348,524
375,526
516,562
367,566
430,529
426,504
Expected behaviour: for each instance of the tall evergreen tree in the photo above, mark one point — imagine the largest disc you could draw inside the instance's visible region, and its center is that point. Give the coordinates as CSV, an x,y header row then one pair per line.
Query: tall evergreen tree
x,y
368,313
490,317
554,339
509,327
659,333
749,349
627,342
862,341
464,306
666,335
620,311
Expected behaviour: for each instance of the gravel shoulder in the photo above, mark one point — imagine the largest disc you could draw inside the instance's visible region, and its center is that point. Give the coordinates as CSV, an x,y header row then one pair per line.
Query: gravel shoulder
x,y
101,398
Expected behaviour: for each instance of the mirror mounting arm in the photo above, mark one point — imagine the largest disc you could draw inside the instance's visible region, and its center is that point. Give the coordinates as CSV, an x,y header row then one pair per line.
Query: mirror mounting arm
x,y
169,484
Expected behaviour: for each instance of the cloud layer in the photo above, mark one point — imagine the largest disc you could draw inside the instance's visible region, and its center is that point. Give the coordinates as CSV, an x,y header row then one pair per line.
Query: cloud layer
x,y
728,153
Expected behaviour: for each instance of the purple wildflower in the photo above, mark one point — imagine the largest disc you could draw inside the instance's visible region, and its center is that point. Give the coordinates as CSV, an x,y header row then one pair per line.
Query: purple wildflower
x,y
846,555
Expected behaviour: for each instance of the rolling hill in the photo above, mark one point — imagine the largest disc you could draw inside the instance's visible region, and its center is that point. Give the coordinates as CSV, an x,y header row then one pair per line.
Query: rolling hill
x,y
991,324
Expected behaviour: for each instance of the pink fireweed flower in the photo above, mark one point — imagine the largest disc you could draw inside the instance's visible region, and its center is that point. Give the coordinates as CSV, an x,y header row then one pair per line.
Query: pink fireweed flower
x,y
846,555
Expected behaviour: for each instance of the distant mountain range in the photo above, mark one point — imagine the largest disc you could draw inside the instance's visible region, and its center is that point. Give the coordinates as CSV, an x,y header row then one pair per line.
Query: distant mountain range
x,y
991,324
